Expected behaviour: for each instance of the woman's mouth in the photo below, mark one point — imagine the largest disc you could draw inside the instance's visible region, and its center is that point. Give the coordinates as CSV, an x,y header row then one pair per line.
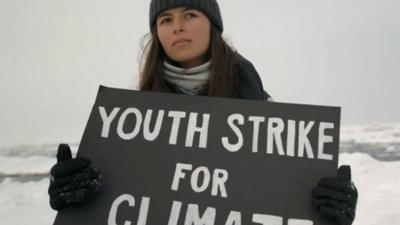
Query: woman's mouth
x,y
181,42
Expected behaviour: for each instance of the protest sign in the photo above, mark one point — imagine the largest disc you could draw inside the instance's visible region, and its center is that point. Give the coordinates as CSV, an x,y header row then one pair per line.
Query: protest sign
x,y
170,159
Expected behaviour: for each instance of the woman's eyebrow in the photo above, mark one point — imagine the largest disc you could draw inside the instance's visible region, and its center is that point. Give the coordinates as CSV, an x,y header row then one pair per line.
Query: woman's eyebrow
x,y
168,14
164,14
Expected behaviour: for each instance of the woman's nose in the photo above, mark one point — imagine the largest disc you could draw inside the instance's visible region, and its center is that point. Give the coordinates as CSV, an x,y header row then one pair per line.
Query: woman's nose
x,y
178,30
178,27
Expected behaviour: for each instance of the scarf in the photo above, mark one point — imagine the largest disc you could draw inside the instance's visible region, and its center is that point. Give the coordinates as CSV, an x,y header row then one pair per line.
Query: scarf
x,y
190,81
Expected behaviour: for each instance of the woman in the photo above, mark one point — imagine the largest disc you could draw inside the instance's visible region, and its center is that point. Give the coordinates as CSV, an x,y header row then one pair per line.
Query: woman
x,y
188,55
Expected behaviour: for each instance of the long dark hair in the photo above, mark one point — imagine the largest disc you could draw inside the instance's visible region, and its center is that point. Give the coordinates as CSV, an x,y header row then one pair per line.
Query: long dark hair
x,y
224,68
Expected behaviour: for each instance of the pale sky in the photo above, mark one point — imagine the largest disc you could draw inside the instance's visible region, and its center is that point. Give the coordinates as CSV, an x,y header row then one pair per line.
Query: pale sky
x,y
55,53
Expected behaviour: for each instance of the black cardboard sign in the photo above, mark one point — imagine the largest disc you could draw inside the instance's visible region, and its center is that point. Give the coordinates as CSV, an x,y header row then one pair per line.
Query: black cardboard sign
x,y
173,159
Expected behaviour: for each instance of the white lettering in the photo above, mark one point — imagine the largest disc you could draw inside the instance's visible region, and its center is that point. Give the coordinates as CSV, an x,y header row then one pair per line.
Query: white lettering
x,y
177,116
121,122
175,212
290,138
143,211
300,222
234,218
147,134
225,140
193,217
112,215
220,177
304,143
275,129
107,120
267,219
192,129
324,139
256,127
195,179
179,174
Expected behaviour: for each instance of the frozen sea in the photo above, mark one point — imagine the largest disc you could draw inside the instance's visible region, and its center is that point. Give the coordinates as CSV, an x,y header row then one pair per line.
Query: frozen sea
x,y
372,150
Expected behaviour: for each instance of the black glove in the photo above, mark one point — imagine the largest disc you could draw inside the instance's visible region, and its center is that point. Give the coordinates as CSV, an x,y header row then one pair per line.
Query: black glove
x,y
72,180
336,198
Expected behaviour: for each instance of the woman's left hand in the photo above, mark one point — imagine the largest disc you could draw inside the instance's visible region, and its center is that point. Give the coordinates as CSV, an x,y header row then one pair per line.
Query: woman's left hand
x,y
336,197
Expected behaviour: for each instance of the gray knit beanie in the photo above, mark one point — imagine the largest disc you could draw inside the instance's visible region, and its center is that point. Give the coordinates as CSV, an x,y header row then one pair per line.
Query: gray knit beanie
x,y
209,7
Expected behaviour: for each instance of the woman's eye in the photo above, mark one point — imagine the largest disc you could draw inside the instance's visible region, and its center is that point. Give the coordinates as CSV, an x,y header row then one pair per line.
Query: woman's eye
x,y
190,15
165,20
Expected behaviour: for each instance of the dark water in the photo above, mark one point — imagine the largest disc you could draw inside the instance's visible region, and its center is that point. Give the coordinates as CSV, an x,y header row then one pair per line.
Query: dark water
x,y
24,177
379,151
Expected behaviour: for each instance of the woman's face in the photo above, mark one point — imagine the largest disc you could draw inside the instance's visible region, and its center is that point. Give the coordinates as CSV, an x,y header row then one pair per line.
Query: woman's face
x,y
184,34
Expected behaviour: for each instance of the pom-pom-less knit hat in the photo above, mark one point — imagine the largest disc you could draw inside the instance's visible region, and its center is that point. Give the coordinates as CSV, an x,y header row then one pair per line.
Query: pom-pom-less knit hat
x,y
209,7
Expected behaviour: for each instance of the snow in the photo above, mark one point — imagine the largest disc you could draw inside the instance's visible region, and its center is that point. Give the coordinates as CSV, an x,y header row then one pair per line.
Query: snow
x,y
377,184
26,203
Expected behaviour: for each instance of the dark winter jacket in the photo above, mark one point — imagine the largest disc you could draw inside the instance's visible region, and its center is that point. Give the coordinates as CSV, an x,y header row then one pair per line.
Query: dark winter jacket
x,y
250,85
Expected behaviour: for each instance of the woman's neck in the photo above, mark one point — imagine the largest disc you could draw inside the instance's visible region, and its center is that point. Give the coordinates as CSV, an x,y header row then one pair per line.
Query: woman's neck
x,y
189,63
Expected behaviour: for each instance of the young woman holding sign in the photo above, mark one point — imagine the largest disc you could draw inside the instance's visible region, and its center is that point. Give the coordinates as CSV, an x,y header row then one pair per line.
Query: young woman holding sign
x,y
188,55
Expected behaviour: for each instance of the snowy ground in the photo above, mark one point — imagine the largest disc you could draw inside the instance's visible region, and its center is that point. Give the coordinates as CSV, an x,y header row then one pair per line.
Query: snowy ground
x,y
372,151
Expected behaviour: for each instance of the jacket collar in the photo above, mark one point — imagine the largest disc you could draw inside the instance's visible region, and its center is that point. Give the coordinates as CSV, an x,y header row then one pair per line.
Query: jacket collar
x,y
249,87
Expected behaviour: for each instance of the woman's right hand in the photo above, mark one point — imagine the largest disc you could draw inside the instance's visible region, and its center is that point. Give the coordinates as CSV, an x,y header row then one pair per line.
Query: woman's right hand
x,y
72,180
